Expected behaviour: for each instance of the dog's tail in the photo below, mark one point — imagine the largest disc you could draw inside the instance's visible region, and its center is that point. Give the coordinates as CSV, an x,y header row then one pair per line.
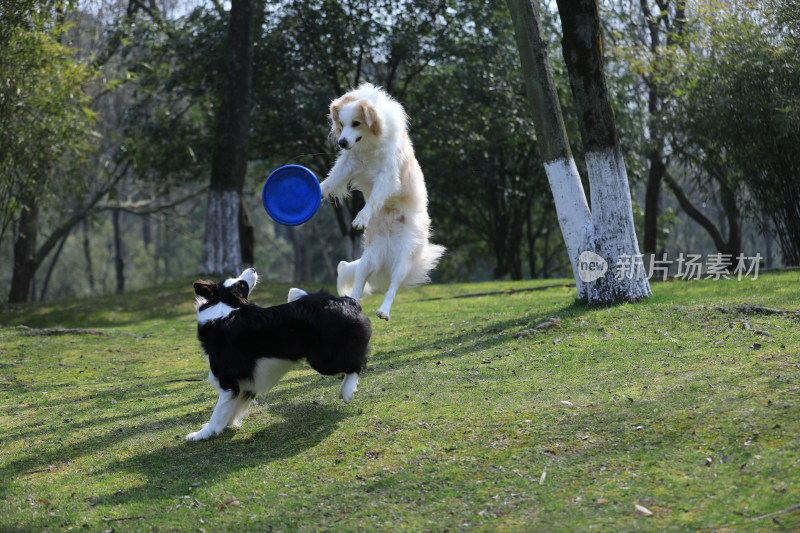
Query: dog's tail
x,y
425,262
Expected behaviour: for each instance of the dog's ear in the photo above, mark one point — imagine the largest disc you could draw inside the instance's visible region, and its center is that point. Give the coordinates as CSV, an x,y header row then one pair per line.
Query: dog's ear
x,y
371,117
336,105
205,289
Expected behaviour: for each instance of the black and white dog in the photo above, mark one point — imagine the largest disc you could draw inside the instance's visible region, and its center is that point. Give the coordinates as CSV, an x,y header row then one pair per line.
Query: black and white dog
x,y
250,348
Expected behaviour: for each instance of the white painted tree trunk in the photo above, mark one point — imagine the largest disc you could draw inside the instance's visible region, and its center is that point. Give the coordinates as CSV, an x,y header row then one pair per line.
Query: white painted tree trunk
x,y
222,252
572,211
607,230
601,242
612,234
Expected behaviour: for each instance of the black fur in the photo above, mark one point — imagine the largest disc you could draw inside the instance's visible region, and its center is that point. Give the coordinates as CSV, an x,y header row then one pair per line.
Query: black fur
x,y
330,332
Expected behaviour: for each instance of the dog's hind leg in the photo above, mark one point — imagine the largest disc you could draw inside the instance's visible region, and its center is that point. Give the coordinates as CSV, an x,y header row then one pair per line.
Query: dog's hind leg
x,y
400,270
362,271
348,387
224,412
345,277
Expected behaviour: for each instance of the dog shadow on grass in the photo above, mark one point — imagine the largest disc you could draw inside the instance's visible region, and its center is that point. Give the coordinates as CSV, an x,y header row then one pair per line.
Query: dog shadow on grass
x,y
174,470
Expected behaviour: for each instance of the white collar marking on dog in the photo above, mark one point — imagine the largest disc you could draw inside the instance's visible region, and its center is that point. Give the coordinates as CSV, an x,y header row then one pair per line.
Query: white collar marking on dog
x,y
214,312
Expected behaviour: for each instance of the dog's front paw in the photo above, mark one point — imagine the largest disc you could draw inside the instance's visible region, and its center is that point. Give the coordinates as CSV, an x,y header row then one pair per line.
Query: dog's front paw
x,y
197,435
326,189
361,220
384,315
202,434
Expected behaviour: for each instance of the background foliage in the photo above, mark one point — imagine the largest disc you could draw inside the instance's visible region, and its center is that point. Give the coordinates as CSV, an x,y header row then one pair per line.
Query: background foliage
x,y
119,99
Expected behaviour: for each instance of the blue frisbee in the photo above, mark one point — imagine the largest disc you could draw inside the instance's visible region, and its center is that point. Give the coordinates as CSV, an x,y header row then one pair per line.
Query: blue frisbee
x,y
291,195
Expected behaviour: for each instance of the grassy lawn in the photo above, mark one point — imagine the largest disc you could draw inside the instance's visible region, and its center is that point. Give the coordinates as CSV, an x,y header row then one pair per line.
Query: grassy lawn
x,y
685,405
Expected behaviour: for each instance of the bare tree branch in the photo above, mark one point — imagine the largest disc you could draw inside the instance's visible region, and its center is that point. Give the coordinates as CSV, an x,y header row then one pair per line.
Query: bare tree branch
x,y
695,213
147,207
79,215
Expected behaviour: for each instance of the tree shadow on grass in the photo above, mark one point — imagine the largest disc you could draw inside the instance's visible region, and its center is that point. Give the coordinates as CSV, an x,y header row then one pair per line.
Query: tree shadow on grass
x,y
166,302
487,336
173,470
426,354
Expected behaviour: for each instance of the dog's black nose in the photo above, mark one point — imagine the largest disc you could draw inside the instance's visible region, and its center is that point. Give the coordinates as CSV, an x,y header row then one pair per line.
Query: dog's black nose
x,y
343,142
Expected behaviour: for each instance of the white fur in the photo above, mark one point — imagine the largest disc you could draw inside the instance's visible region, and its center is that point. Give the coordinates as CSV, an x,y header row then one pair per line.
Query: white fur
x,y
268,372
378,160
348,387
230,410
214,312
296,294
224,413
249,275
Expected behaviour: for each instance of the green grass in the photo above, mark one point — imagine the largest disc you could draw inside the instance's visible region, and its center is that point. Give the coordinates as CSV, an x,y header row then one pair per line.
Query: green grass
x,y
673,404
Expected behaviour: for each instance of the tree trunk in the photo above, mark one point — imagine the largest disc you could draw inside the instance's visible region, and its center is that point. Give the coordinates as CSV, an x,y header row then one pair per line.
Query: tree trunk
x,y
222,251
651,202
25,265
27,258
655,176
221,248
607,231
612,234
87,254
247,236
562,174
119,261
656,173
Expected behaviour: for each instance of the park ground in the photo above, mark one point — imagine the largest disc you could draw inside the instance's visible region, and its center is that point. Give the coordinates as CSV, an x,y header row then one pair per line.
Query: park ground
x,y
478,412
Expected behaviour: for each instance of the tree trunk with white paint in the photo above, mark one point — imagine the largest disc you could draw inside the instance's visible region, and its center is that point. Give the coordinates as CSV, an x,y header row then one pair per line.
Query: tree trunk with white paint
x,y
222,252
562,174
597,241
222,247
611,234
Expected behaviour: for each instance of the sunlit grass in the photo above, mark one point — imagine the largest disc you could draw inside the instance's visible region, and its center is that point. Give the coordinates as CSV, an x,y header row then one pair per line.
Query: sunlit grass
x,y
679,404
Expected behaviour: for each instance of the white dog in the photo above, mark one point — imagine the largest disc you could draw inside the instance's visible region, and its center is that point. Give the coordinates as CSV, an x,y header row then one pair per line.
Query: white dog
x,y
378,160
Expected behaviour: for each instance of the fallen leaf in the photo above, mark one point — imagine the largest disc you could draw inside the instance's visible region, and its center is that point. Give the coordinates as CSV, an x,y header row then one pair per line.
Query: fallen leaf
x,y
644,511
566,402
230,501
543,477
552,322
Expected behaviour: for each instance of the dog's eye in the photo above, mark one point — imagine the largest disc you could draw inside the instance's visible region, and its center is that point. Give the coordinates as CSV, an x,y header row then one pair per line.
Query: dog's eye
x,y
356,124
